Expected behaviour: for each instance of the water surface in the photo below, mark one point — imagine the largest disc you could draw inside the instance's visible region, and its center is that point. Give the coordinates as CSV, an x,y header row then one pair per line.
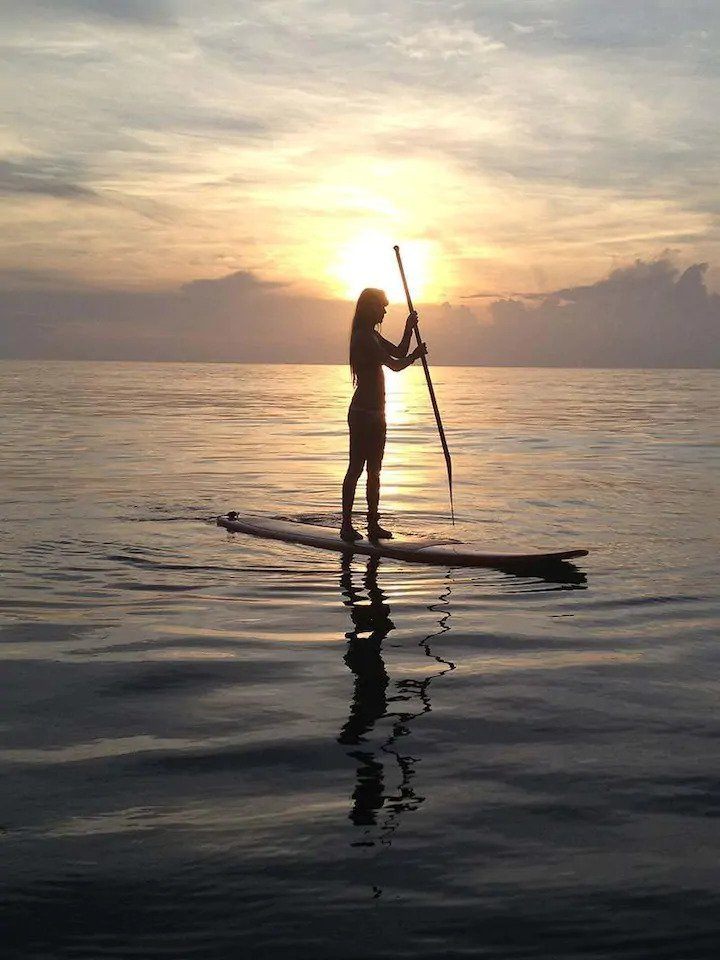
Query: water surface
x,y
216,746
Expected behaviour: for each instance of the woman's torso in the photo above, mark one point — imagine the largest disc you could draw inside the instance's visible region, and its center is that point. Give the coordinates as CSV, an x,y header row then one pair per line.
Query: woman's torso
x,y
366,357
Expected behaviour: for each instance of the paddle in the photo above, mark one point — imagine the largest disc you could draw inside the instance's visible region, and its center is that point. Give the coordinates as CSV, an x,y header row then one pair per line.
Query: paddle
x,y
435,407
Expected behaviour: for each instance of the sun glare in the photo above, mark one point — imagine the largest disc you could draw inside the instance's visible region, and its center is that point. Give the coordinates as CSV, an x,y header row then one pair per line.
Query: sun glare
x,y
368,260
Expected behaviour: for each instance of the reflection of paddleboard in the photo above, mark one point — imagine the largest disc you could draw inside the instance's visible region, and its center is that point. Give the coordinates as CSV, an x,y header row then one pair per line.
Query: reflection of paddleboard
x,y
451,553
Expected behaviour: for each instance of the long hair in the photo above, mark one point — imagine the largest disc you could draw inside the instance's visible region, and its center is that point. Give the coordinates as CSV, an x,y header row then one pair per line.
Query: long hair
x,y
365,317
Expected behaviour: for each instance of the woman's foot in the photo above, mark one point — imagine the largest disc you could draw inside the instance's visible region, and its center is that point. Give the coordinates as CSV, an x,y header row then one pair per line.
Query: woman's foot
x,y
376,532
349,533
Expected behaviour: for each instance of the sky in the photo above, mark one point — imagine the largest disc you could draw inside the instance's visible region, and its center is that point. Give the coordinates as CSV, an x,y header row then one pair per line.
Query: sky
x,y
220,180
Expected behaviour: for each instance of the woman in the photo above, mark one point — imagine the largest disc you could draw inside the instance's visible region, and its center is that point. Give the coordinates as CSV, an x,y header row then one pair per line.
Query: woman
x,y
366,416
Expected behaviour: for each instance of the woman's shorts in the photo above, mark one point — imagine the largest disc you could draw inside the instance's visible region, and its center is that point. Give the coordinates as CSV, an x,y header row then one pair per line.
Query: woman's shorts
x,y
367,435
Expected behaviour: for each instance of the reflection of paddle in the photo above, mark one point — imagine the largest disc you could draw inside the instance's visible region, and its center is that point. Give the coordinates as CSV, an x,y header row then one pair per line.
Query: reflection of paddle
x,y
436,410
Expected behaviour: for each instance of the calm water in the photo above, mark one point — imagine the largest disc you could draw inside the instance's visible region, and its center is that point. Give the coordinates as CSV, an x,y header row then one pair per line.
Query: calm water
x,y
219,747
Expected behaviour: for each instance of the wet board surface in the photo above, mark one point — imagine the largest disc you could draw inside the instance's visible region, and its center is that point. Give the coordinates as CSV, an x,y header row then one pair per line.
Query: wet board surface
x,y
413,549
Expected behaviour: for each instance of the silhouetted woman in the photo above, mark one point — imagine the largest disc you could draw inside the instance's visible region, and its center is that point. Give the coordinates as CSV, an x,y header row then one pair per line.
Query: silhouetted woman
x,y
366,416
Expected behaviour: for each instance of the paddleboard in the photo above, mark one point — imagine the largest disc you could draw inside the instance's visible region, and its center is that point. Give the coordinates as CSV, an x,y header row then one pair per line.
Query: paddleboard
x,y
449,552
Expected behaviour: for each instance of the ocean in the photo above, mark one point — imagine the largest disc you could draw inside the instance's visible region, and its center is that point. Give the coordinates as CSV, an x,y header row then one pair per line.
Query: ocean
x,y
215,746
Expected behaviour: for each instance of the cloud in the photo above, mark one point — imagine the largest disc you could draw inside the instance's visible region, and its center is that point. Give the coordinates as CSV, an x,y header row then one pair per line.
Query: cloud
x,y
236,317
445,41
225,288
40,179
144,12
647,314
35,177
503,295
25,278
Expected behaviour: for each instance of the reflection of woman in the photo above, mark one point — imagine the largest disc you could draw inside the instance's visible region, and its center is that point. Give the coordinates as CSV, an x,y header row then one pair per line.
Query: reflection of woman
x,y
366,416
377,698
371,624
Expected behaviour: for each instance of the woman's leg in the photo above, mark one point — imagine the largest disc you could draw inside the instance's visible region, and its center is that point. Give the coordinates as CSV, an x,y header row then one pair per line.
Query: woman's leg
x,y
354,470
374,466
372,490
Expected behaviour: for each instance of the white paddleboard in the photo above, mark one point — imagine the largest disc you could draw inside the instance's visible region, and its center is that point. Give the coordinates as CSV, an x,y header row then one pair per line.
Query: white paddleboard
x,y
449,552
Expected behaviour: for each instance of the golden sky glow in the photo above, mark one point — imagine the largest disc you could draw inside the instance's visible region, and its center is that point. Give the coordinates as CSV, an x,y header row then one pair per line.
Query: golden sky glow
x,y
367,259
505,145
149,145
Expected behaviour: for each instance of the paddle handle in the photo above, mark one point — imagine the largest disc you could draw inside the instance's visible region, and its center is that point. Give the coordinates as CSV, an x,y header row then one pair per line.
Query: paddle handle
x,y
431,390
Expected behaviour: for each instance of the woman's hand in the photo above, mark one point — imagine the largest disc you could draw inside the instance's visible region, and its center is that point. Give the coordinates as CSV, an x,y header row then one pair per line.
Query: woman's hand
x,y
420,351
412,319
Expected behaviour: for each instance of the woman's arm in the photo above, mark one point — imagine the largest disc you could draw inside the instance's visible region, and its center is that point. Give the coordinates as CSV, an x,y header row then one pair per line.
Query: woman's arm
x,y
402,348
398,364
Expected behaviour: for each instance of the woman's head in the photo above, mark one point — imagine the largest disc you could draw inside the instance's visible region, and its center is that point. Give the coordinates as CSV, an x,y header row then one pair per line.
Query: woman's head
x,y
369,312
369,309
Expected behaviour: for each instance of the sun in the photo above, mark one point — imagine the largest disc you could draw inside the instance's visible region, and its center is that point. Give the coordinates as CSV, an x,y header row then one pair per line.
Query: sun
x,y
368,260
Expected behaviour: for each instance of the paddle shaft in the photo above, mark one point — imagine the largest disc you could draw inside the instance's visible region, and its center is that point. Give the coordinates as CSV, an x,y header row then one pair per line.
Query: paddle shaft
x,y
431,390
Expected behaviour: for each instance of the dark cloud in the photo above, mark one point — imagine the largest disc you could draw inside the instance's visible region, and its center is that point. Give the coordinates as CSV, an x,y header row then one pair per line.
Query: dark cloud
x,y
503,295
586,26
43,178
239,283
154,210
196,120
42,56
147,12
28,278
649,314
237,317
38,178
